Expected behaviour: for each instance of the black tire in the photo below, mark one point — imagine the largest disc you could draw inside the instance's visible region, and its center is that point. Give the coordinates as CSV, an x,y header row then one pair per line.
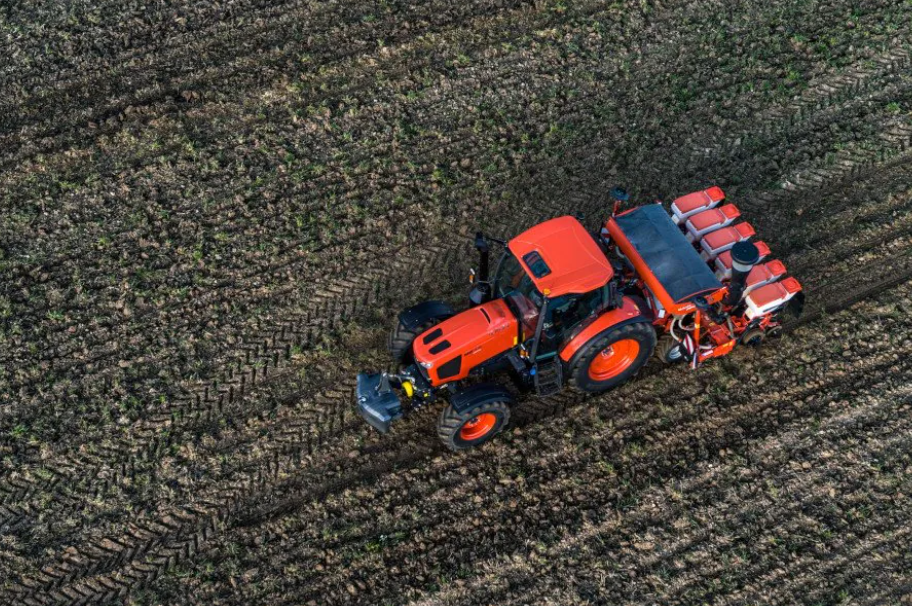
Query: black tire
x,y
753,337
669,351
400,341
641,332
456,429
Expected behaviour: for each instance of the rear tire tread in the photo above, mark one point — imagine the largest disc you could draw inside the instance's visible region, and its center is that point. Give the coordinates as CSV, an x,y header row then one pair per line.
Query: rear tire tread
x,y
643,332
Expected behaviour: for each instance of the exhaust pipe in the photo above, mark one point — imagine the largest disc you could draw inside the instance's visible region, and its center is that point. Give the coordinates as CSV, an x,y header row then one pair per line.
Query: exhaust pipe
x,y
481,291
744,256
484,249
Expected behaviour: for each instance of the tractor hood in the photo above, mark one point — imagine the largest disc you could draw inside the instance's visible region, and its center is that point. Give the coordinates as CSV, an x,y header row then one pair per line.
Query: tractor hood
x,y
452,348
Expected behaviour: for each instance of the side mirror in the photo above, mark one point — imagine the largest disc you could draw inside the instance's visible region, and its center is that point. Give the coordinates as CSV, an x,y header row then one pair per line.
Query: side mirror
x,y
480,293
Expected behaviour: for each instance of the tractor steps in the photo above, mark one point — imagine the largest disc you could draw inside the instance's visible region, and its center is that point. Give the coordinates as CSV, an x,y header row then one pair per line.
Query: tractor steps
x,y
549,376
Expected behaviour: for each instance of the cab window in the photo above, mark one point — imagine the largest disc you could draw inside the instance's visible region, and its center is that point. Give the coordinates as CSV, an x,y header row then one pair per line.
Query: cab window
x,y
566,312
513,284
512,278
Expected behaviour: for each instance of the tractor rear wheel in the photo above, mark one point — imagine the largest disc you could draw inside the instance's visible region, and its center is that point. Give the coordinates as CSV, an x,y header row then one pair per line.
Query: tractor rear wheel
x,y
472,427
400,340
612,357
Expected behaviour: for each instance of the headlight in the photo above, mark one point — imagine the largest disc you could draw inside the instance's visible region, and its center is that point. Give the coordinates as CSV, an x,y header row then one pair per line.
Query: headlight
x,y
427,364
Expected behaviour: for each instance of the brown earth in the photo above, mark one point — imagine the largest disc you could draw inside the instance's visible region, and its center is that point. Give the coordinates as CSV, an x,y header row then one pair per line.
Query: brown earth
x,y
212,212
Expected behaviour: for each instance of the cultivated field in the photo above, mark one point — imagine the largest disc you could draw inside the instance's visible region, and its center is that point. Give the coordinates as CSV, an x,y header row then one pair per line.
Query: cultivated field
x,y
211,213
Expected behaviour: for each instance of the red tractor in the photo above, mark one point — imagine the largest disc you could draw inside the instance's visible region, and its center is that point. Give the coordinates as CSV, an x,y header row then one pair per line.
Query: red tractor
x,y
566,306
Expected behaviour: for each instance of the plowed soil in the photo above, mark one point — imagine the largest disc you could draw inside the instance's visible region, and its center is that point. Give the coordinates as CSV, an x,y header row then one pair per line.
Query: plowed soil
x,y
211,213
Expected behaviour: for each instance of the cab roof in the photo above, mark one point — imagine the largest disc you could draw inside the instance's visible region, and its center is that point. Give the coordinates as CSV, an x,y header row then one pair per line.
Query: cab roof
x,y
561,257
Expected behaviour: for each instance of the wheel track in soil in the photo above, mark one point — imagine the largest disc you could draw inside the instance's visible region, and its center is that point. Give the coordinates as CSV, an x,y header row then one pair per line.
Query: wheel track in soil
x,y
217,79
178,41
892,60
158,45
794,512
591,538
155,445
713,498
429,520
584,14
439,486
210,401
347,482
632,428
521,572
901,132
272,28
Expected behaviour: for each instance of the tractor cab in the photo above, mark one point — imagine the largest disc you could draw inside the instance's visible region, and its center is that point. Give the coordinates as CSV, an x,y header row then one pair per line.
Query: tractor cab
x,y
557,268
561,258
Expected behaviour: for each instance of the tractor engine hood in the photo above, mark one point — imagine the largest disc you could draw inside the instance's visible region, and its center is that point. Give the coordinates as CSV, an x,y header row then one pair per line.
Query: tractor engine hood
x,y
451,349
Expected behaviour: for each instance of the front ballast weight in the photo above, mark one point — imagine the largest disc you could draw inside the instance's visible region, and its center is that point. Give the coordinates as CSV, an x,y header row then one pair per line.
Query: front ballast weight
x,y
377,402
380,405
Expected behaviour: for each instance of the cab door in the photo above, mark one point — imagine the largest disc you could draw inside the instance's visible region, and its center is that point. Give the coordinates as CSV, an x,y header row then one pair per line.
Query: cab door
x,y
563,315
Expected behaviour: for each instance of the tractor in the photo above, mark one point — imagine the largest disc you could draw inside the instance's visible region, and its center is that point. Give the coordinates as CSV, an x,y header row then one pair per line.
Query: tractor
x,y
569,307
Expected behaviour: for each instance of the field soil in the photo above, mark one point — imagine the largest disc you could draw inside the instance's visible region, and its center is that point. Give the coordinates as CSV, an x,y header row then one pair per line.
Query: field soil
x,y
212,212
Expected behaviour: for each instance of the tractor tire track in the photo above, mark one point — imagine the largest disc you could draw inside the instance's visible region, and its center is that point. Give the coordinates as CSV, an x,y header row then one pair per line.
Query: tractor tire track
x,y
888,369
198,413
876,373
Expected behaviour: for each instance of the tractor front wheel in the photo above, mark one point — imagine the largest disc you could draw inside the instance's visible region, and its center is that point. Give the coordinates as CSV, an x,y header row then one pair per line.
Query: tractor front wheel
x,y
472,427
612,357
